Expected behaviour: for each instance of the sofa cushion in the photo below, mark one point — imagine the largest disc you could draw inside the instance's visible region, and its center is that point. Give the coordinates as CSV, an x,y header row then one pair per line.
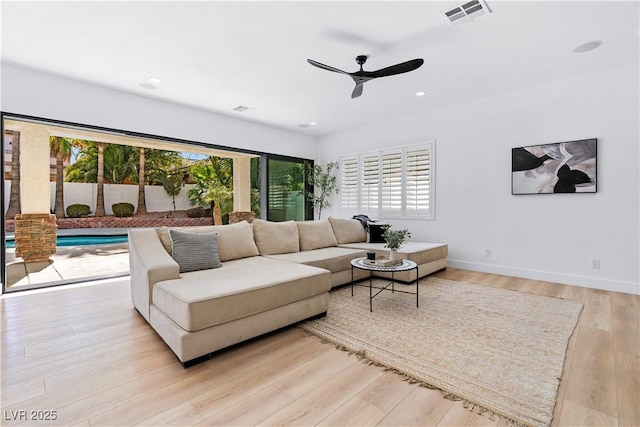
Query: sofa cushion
x,y
165,238
316,235
348,230
334,259
234,240
276,237
200,299
195,251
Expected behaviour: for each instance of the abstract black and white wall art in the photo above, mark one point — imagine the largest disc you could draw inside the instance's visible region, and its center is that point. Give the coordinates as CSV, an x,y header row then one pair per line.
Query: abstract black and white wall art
x,y
564,167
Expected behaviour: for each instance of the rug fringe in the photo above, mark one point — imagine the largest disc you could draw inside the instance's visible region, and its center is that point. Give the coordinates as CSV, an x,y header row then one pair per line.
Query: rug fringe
x,y
471,406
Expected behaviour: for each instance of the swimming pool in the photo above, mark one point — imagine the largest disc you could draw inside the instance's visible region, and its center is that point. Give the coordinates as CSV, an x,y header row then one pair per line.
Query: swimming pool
x,y
82,240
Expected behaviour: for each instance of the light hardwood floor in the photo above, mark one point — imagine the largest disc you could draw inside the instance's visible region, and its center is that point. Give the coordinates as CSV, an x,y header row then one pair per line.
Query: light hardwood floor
x,y
85,354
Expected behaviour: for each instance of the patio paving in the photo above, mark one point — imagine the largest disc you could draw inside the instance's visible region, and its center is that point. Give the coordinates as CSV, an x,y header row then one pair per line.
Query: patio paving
x,y
68,265
72,264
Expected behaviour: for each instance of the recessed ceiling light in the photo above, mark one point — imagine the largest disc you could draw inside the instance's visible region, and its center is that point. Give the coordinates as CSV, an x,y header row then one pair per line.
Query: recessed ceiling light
x,y
148,85
586,47
312,123
154,80
421,93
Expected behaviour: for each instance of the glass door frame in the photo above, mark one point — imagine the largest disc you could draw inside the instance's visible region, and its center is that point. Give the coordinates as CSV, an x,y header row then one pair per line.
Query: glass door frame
x,y
264,157
264,182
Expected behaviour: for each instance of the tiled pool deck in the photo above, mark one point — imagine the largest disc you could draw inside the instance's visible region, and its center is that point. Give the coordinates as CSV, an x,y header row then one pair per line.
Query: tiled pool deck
x,y
70,264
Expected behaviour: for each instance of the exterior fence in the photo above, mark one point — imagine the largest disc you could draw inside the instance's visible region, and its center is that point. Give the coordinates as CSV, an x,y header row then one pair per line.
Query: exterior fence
x,y
156,198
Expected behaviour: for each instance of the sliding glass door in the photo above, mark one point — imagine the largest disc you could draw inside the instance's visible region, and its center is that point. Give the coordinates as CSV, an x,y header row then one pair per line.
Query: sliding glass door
x,y
149,178
286,189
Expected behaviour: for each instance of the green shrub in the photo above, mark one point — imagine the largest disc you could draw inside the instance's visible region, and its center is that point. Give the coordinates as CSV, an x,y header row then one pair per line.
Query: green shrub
x,y
78,211
197,212
123,209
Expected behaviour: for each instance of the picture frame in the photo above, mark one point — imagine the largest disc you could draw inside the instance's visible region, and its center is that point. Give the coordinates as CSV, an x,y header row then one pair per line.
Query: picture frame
x,y
562,167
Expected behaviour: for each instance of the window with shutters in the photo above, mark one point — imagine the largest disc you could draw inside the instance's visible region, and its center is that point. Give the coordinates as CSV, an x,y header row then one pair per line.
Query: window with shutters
x,y
391,174
394,182
349,184
418,181
370,184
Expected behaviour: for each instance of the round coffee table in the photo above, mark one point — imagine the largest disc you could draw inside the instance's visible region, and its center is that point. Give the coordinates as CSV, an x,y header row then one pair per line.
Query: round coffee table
x,y
406,265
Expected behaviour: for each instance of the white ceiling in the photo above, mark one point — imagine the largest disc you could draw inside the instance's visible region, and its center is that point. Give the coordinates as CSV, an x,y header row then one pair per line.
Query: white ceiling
x,y
218,55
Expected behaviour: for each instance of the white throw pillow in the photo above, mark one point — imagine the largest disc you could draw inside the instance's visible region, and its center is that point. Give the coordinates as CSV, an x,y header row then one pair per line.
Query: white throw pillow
x,y
316,235
276,237
348,230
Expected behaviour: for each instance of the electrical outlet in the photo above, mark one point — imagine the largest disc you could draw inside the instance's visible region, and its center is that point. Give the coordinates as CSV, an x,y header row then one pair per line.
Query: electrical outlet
x,y
595,263
487,252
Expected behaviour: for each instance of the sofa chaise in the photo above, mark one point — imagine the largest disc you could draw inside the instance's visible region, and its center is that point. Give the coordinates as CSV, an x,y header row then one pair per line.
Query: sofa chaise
x,y
206,288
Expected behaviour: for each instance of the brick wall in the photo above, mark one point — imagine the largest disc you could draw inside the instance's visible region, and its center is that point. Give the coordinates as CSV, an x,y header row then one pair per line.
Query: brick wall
x,y
130,222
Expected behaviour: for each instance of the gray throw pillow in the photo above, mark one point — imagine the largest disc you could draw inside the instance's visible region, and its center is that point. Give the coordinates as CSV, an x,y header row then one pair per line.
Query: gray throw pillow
x,y
195,251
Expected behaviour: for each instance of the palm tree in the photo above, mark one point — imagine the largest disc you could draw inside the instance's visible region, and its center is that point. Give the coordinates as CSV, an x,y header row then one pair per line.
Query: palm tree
x,y
100,180
213,180
120,164
60,148
14,196
142,206
85,168
217,196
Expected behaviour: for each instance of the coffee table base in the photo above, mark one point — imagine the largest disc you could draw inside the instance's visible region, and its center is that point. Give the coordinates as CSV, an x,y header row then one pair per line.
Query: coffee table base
x,y
386,287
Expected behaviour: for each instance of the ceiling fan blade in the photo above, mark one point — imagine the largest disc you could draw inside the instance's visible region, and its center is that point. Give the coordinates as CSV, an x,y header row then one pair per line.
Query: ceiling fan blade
x,y
357,91
403,67
325,67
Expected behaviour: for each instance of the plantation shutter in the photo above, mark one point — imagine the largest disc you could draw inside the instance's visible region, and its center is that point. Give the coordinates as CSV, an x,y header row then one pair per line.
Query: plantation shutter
x,y
397,182
370,184
418,181
391,183
349,184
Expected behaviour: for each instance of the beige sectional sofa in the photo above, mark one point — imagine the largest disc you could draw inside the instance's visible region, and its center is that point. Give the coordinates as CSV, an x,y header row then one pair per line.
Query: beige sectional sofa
x,y
206,288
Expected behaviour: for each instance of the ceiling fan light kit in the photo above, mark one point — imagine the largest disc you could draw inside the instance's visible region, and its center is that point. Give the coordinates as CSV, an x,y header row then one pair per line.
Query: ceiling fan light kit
x,y
361,77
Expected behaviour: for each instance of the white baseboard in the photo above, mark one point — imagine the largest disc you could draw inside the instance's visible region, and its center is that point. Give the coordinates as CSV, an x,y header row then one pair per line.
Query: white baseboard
x,y
548,276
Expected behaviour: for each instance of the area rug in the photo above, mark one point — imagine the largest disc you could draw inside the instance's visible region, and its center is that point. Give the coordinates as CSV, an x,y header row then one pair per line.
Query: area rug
x,y
500,351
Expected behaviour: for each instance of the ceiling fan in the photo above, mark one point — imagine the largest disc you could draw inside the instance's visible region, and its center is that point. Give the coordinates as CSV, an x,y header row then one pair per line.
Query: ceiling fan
x,y
361,77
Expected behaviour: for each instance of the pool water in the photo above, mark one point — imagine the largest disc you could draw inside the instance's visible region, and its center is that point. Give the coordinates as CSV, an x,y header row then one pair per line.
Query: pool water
x,y
81,240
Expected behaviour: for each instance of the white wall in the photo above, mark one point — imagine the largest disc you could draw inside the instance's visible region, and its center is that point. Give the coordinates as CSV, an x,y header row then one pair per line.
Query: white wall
x,y
34,93
156,198
544,237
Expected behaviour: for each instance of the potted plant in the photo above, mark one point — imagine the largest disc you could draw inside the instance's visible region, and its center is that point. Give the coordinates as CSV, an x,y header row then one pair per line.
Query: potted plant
x,y
395,239
325,181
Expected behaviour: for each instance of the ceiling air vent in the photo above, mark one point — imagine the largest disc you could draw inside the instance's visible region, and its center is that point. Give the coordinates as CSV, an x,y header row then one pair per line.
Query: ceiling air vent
x,y
466,12
241,108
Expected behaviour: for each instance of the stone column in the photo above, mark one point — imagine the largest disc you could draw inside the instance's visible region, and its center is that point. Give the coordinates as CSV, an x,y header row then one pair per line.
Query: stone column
x,y
35,236
35,170
241,191
242,184
35,227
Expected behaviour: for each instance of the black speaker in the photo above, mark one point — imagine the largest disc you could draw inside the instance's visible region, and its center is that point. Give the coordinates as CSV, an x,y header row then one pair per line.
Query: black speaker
x,y
376,233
